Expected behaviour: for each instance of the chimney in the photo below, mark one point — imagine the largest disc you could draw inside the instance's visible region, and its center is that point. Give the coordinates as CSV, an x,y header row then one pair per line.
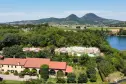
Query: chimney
x,y
18,63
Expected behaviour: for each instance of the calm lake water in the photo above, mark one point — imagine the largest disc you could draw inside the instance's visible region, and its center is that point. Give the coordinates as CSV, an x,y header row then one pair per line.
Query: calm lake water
x,y
118,42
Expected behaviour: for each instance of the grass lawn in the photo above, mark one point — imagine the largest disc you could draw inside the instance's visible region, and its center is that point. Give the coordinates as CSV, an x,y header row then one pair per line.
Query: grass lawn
x,y
13,82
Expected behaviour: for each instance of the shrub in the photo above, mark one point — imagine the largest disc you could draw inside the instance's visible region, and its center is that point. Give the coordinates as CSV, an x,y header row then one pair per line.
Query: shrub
x,y
52,72
33,72
71,78
82,78
26,71
93,78
6,73
60,74
61,80
16,73
50,82
21,74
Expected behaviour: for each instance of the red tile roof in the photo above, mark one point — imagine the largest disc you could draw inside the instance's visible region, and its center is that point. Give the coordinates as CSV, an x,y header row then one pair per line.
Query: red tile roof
x,y
57,65
13,61
69,69
36,62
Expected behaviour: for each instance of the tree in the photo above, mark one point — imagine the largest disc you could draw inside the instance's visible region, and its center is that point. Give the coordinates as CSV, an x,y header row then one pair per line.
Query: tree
x,y
44,72
60,74
1,45
106,67
91,71
99,59
11,39
84,59
82,78
14,51
124,71
71,78
93,78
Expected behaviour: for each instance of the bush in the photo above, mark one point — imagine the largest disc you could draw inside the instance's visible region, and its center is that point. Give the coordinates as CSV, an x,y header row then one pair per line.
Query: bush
x,y
49,82
33,72
6,73
71,78
93,78
15,73
82,78
52,72
60,80
21,74
60,74
26,71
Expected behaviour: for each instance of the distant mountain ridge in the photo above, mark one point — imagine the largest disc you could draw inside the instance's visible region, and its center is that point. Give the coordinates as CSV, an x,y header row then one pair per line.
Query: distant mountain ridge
x,y
89,18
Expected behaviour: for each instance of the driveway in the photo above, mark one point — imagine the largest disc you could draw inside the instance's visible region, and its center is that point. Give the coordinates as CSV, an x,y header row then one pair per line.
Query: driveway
x,y
12,77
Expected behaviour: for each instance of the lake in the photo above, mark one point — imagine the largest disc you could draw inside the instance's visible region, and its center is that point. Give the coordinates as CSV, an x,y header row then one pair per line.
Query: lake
x,y
118,42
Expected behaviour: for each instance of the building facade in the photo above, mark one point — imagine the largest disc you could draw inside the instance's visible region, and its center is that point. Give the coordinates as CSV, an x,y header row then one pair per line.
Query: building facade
x,y
18,64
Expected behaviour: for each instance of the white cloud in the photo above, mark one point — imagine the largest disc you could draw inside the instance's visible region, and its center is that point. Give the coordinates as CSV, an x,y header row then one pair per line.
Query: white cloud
x,y
17,16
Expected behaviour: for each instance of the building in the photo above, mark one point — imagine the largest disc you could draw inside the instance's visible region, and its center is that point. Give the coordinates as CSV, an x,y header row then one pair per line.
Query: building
x,y
32,49
78,51
19,64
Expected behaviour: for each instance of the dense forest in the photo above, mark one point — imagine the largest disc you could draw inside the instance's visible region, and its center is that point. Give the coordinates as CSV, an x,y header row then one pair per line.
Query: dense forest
x,y
14,38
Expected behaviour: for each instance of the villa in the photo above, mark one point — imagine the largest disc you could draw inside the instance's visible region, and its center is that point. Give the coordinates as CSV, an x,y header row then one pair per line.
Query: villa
x,y
78,51
19,64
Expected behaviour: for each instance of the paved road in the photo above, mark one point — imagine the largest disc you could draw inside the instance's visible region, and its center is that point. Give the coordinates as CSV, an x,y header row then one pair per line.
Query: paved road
x,y
12,77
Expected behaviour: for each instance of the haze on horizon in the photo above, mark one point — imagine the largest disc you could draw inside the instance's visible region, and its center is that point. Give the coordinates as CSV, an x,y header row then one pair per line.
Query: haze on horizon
x,y
16,10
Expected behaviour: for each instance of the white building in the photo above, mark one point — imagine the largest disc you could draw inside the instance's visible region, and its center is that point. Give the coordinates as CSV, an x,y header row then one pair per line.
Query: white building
x,y
78,51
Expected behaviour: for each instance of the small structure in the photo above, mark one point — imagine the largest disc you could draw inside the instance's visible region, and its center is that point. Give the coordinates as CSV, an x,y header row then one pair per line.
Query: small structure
x,y
32,49
78,51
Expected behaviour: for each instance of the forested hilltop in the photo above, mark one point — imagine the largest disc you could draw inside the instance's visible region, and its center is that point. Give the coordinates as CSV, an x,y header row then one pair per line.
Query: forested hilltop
x,y
14,38
45,36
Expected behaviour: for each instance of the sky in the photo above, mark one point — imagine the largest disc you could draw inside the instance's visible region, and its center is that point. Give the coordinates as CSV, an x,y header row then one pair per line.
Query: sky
x,y
16,10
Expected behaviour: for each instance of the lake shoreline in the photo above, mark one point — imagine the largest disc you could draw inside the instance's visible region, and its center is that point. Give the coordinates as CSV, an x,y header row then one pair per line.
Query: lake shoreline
x,y
117,41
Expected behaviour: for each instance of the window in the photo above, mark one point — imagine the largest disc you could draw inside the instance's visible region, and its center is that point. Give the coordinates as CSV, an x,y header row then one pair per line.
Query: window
x,y
1,65
8,66
2,69
12,71
15,66
11,66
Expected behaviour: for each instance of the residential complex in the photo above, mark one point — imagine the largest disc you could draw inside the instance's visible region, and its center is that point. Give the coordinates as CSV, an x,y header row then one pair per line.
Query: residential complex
x,y
19,64
78,51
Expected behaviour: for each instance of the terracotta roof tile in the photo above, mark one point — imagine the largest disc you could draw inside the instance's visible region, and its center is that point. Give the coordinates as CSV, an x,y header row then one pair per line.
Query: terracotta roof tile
x,y
13,61
36,62
69,69
57,65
